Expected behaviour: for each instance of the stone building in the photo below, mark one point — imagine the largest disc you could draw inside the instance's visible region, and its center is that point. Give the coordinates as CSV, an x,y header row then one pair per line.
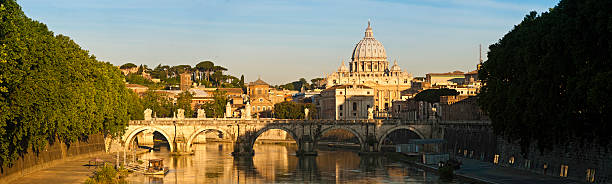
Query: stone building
x,y
137,88
185,81
369,66
259,96
345,102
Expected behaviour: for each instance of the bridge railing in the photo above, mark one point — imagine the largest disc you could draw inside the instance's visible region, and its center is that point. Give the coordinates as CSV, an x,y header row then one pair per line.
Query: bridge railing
x,y
193,121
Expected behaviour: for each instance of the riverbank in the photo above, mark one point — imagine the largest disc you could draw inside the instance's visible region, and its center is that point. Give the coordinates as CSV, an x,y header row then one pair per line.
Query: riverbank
x,y
72,170
475,171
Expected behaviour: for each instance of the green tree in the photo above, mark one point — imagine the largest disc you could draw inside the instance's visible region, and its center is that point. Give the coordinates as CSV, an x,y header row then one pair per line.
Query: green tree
x,y
135,107
433,95
160,104
128,65
292,110
206,67
547,80
52,89
216,109
183,101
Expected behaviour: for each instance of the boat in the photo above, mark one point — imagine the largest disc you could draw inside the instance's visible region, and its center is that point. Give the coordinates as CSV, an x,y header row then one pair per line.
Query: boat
x,y
156,167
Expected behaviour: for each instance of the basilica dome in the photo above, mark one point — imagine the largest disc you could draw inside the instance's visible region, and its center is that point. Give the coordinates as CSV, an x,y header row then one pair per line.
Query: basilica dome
x,y
369,49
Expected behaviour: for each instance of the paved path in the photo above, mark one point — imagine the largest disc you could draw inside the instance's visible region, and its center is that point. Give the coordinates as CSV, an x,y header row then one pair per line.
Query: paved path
x,y
72,171
490,173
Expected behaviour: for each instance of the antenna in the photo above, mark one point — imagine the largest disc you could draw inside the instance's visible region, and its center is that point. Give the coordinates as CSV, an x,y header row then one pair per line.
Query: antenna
x,y
480,53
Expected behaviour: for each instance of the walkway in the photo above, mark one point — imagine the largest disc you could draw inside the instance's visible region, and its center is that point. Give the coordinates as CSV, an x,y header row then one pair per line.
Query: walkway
x,y
490,173
72,171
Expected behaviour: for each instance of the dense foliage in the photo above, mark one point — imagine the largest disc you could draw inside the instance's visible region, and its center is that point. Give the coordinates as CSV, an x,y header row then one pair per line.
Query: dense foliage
x,y
302,83
205,73
107,174
433,95
128,65
51,89
216,109
292,110
548,79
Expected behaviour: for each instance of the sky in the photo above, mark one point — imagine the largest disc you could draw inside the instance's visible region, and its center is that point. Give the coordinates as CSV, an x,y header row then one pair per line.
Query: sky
x,y
282,40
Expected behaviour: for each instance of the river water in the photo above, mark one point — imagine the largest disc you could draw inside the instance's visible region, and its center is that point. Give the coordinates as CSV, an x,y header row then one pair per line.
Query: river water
x,y
272,163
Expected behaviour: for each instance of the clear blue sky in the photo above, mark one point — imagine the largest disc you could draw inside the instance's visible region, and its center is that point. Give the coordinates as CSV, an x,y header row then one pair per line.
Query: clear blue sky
x,y
280,40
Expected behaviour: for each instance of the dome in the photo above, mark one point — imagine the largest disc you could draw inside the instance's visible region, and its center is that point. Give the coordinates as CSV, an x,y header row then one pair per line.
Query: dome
x,y
395,67
369,49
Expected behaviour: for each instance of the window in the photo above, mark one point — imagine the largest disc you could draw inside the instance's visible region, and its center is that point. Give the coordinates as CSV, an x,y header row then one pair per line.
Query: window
x,y
496,159
254,108
340,92
263,108
368,92
261,99
354,106
354,114
258,108
340,114
511,160
590,175
563,170
340,107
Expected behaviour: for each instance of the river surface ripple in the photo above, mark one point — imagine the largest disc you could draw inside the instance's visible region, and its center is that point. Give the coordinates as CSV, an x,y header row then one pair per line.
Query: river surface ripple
x,y
213,163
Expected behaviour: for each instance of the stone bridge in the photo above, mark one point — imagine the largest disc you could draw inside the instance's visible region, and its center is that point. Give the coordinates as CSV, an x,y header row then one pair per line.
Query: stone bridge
x,y
182,132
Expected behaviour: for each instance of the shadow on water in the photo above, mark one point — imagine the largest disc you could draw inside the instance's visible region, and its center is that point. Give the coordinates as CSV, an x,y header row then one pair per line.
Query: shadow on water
x,y
213,163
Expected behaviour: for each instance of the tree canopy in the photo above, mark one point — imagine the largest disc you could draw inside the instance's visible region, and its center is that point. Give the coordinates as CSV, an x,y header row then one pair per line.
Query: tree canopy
x,y
433,95
128,65
547,81
52,89
293,110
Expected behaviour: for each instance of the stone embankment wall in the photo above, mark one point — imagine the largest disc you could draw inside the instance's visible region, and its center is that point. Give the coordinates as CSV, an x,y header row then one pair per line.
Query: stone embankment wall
x,y
51,155
585,162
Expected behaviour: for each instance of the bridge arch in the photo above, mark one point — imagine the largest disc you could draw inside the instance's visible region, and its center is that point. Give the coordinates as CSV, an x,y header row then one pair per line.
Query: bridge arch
x,y
359,136
265,129
130,138
195,134
405,127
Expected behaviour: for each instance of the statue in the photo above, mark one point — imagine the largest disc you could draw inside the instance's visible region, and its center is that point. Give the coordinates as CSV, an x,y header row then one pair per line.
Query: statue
x,y
201,114
147,114
370,113
306,111
248,111
228,110
242,115
181,114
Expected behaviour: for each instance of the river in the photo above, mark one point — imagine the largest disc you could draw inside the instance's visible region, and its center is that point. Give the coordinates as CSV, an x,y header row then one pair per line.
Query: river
x,y
272,163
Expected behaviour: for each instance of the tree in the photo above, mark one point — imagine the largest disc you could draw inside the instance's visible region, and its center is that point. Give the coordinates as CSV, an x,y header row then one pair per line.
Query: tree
x,y
52,89
547,80
292,110
216,109
160,104
128,65
206,67
433,95
184,102
315,82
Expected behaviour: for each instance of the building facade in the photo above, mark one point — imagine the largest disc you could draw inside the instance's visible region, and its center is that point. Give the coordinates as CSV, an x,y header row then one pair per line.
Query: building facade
x,y
345,102
259,97
369,67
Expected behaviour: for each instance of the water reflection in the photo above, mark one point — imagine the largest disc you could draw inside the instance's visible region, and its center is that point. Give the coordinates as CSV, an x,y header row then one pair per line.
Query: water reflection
x,y
213,163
